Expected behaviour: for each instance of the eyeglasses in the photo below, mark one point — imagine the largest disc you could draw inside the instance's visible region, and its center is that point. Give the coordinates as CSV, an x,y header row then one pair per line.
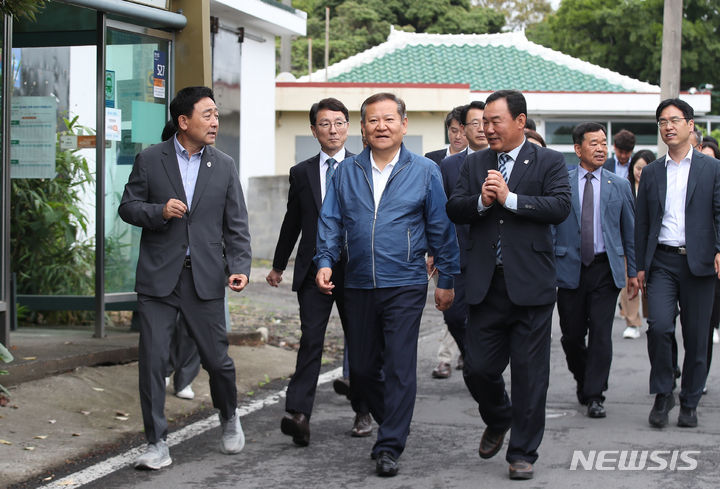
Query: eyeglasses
x,y
673,120
474,124
326,125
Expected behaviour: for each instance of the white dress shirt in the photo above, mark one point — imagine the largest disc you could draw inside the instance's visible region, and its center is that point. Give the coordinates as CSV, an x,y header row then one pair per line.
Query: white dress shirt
x,y
339,156
380,177
672,230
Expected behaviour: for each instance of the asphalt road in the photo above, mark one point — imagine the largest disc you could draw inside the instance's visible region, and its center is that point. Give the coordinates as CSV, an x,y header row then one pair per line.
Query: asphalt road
x,y
442,447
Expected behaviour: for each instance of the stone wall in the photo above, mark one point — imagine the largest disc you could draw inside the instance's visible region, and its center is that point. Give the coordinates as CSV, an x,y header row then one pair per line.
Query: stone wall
x,y
266,202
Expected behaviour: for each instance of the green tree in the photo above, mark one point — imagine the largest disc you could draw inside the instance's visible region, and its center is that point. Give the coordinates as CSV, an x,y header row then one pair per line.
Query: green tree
x,y
357,25
22,8
519,14
626,36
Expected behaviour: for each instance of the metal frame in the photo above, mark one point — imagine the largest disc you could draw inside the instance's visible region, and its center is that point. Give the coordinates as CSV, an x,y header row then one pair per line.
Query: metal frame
x,y
100,179
6,305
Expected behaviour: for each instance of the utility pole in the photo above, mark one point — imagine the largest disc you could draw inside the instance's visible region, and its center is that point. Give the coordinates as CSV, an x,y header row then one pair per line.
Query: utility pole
x,y
327,41
671,52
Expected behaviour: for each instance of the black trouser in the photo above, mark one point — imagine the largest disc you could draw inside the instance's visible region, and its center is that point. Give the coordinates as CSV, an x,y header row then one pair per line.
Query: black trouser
x,y
670,281
589,310
205,321
499,332
456,316
315,309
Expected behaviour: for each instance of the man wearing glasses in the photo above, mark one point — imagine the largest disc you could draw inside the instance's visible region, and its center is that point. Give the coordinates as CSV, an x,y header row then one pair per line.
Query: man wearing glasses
x,y
677,242
308,182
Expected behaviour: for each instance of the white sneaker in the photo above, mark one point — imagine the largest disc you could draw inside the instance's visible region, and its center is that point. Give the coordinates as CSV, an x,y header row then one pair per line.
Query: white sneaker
x,y
186,393
233,438
156,456
716,337
167,381
631,332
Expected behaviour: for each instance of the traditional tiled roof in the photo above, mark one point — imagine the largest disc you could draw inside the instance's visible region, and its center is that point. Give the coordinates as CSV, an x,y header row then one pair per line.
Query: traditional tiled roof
x,y
486,62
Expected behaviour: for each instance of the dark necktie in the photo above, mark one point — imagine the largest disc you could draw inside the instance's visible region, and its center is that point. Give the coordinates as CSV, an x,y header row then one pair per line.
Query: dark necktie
x,y
503,158
329,172
587,248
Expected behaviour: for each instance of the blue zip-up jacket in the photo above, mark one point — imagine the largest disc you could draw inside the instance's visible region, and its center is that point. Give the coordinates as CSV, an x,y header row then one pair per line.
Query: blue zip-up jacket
x,y
387,248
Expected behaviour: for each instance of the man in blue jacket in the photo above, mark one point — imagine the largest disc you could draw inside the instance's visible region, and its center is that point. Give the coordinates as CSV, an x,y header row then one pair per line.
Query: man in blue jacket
x,y
386,206
591,248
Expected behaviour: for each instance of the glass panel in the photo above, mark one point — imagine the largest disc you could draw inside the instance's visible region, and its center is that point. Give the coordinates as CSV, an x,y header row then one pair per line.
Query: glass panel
x,y
53,190
645,132
136,100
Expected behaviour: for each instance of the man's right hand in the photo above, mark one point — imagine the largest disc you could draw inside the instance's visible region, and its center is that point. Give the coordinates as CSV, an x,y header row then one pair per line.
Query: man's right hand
x,y
641,282
274,277
487,196
322,279
174,208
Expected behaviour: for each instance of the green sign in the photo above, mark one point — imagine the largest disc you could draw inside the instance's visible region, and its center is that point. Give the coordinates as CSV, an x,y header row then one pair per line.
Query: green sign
x,y
109,88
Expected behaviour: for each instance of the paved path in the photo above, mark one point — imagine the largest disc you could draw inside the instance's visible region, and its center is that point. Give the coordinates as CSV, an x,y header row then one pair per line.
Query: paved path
x,y
446,429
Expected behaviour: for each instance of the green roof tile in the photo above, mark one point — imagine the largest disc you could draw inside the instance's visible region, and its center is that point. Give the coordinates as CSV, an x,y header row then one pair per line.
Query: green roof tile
x,y
484,68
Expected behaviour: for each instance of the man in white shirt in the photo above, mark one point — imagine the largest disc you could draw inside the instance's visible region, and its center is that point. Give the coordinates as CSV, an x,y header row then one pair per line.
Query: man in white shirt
x,y
678,258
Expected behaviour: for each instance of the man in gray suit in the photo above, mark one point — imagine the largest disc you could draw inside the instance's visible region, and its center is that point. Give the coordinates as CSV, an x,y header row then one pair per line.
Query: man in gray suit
x,y
677,242
186,197
591,247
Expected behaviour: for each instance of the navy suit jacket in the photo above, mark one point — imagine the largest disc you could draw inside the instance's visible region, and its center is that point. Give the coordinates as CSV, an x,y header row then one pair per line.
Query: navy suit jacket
x,y
450,169
301,216
437,156
702,213
540,180
618,230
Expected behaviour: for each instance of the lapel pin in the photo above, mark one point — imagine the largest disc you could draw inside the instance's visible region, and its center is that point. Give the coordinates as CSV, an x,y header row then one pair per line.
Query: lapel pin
x,y
526,161
209,164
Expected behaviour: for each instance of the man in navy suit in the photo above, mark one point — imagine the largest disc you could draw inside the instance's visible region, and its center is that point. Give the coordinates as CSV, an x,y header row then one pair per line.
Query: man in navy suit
x,y
456,317
623,145
510,195
677,242
455,135
591,247
308,181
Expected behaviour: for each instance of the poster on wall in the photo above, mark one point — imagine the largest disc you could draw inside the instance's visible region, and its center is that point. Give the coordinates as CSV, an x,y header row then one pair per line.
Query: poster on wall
x,y
33,127
159,73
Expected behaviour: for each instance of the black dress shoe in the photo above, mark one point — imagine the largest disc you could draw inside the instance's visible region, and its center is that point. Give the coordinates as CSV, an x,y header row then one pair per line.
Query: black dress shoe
x,y
491,442
687,417
362,426
580,396
521,470
659,412
596,410
386,465
442,371
341,386
296,425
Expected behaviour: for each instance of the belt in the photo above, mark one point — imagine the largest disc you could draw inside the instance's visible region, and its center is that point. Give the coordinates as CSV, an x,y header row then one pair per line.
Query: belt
x,y
599,258
187,263
678,250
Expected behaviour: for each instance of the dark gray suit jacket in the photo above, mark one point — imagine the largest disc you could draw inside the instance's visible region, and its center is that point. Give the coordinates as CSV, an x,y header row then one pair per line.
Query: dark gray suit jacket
x,y
702,213
216,228
540,180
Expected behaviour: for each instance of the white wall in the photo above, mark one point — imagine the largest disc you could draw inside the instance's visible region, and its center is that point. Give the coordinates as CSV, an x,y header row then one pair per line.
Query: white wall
x,y
257,108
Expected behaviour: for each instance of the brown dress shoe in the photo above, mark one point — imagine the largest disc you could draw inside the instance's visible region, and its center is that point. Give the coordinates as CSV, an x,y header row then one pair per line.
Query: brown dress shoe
x,y
362,426
442,371
521,470
296,425
491,442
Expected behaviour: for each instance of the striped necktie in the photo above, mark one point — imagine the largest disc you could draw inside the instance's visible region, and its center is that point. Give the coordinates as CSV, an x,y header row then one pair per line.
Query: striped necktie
x,y
503,158
331,163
